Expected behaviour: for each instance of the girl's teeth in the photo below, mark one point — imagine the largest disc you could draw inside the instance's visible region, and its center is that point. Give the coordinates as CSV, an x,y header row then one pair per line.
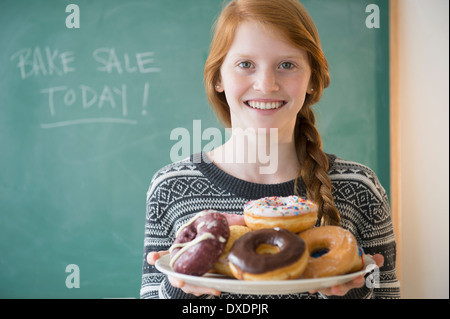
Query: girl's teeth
x,y
265,106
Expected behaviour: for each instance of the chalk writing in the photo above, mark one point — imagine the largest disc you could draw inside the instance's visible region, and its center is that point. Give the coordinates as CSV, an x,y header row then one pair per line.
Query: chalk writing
x,y
89,97
47,62
111,62
32,62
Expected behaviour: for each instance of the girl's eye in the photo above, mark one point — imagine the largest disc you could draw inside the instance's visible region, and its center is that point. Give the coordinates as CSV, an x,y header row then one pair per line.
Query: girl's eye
x,y
245,65
287,65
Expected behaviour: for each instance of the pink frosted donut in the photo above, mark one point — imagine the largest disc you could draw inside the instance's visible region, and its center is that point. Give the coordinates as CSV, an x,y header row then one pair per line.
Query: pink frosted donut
x,y
292,213
199,243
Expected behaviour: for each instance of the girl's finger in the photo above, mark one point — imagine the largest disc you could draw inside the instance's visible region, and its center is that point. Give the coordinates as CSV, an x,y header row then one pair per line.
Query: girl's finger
x,y
153,256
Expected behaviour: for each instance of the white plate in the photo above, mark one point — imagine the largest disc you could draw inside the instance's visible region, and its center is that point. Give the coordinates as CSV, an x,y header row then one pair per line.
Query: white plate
x,y
226,284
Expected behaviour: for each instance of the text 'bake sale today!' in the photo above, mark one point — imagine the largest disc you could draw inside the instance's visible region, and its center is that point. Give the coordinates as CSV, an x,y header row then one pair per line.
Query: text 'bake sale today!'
x,y
48,62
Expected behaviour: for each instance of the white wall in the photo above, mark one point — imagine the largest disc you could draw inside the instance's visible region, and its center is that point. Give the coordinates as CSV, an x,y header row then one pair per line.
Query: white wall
x,y
424,133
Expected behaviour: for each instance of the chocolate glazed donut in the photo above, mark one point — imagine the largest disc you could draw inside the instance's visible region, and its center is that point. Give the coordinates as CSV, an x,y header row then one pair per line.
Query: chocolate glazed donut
x,y
199,243
289,262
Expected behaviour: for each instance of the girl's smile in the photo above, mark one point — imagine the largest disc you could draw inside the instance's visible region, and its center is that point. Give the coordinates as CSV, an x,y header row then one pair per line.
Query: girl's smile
x,y
265,104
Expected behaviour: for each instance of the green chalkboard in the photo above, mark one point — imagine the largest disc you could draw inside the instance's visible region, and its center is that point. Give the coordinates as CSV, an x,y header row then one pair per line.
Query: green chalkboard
x,y
86,116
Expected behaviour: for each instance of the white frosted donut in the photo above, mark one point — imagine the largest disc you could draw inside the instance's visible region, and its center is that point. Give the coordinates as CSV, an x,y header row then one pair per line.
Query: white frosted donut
x,y
292,212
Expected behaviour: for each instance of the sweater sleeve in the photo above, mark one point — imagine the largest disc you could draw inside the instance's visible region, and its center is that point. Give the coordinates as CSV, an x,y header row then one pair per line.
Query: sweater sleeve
x,y
160,228
155,240
364,207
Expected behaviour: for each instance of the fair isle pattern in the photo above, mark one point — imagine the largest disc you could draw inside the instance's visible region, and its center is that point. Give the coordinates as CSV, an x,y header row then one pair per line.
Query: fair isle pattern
x,y
180,190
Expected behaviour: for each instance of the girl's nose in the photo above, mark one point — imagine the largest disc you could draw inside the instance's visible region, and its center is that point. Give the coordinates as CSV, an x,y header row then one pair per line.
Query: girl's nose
x,y
266,81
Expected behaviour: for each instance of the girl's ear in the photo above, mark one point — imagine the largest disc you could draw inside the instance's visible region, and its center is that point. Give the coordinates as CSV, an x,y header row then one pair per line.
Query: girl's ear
x,y
310,89
219,86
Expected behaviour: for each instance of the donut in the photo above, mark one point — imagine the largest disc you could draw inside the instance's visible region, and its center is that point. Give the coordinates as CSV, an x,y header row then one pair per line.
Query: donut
x,y
248,261
292,213
199,243
334,251
221,266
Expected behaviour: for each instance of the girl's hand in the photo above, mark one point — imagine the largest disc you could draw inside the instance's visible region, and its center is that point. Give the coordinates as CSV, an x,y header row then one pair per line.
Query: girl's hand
x,y
191,289
153,256
358,282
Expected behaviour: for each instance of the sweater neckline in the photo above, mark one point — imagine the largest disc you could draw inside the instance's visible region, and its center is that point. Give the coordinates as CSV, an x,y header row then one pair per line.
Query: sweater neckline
x,y
241,187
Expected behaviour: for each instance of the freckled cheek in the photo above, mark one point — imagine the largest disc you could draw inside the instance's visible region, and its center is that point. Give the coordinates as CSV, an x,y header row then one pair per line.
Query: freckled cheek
x,y
235,89
296,89
297,95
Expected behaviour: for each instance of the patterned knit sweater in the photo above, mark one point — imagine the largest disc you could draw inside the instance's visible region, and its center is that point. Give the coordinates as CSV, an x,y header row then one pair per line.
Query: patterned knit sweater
x,y
180,190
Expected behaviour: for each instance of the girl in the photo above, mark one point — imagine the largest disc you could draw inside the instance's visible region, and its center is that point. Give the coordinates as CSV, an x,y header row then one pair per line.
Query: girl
x,y
265,71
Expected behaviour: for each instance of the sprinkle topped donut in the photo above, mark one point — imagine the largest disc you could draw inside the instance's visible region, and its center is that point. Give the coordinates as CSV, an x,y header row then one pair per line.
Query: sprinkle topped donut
x,y
292,212
280,206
